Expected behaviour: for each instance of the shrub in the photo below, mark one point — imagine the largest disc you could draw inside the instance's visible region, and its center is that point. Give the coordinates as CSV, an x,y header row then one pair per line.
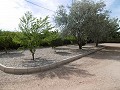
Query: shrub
x,y
56,42
66,41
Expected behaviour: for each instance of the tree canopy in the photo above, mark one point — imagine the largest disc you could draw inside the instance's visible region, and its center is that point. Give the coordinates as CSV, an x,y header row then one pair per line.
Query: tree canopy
x,y
31,27
86,19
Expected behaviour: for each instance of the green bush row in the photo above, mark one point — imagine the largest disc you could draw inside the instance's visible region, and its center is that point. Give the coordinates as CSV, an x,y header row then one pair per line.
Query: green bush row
x,y
57,42
47,39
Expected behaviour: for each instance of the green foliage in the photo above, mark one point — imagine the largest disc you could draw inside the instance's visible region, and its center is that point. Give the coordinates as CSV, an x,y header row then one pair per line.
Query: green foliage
x,y
69,40
54,39
66,41
50,37
113,34
31,29
6,40
56,42
76,21
61,12
86,20
103,29
80,13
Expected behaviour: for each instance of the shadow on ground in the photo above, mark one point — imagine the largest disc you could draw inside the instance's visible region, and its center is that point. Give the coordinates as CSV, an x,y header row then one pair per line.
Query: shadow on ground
x,y
11,55
107,53
63,53
64,72
61,48
37,62
81,51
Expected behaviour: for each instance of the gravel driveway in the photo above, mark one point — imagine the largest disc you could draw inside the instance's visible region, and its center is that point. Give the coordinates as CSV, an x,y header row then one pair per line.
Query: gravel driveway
x,y
99,71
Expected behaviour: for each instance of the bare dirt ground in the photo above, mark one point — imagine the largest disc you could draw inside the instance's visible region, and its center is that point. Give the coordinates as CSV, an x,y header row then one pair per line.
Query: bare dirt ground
x,y
99,71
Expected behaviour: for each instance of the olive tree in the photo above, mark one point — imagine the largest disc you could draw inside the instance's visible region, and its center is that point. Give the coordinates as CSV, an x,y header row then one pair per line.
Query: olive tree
x,y
97,28
77,20
31,27
61,17
101,27
113,28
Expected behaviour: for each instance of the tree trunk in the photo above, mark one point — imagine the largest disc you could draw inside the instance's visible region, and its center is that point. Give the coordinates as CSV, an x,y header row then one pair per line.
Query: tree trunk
x,y
80,46
33,56
80,43
33,52
5,50
97,43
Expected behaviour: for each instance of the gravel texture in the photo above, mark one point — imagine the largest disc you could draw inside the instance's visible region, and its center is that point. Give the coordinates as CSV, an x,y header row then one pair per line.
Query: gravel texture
x,y
43,56
98,71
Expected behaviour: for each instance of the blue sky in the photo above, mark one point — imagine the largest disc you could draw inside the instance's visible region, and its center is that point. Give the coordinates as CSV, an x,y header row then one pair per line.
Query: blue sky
x,y
12,10
115,8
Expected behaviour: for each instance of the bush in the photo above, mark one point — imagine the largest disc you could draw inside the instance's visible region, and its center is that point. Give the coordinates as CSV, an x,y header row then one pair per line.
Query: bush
x,y
44,43
69,40
56,42
14,45
66,41
6,40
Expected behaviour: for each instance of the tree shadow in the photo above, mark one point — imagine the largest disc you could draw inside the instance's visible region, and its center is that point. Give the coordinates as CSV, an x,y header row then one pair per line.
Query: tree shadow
x,y
62,53
37,62
81,51
70,51
61,48
107,54
11,55
64,72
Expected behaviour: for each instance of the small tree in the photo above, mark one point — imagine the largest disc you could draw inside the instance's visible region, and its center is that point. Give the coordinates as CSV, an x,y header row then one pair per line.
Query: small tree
x,y
31,28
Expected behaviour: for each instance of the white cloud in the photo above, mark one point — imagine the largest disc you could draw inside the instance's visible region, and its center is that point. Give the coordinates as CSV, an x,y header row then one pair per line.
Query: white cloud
x,y
12,10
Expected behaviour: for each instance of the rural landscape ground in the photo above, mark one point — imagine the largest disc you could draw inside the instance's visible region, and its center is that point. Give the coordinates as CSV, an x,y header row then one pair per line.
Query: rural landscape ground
x,y
68,45
98,71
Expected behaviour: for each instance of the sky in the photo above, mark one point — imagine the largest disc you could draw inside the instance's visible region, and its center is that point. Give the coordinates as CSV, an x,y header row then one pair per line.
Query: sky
x,y
12,10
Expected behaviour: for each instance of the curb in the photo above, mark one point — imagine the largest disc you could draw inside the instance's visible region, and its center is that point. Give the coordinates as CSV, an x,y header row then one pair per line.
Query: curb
x,y
13,70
